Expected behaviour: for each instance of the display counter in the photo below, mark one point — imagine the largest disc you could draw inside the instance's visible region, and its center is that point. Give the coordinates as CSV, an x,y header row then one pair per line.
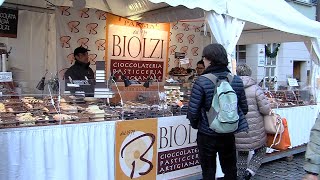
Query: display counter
x,y
141,139
103,150
300,121
77,151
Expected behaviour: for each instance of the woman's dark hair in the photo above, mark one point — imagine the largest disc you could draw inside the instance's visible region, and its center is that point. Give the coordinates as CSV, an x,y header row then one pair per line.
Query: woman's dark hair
x,y
216,54
200,62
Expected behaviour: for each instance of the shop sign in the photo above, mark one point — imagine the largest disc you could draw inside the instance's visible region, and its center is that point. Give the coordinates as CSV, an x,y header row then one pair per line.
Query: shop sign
x,y
136,149
8,22
261,61
137,70
177,148
132,41
163,148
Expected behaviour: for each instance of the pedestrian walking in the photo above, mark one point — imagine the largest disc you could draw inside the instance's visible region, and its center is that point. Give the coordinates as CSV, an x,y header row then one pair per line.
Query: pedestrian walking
x,y
209,141
312,162
255,138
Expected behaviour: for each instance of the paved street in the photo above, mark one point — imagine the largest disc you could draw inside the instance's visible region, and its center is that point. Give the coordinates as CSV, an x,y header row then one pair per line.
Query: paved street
x,y
282,169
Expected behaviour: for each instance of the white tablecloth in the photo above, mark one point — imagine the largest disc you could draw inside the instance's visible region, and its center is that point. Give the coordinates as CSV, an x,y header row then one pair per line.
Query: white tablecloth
x,y
66,152
300,121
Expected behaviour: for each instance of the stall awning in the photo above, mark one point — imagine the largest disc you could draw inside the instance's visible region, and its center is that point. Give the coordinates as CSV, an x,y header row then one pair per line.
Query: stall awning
x,y
275,14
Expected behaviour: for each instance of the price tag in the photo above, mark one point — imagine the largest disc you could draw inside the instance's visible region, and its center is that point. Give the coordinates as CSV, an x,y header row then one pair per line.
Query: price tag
x,y
81,82
5,76
293,82
261,61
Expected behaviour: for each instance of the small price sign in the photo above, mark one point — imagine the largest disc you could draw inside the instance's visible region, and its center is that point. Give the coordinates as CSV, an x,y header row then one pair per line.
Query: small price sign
x,y
293,82
5,76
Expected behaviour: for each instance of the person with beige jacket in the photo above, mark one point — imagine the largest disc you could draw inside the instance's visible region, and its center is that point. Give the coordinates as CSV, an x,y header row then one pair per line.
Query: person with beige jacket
x,y
255,139
312,162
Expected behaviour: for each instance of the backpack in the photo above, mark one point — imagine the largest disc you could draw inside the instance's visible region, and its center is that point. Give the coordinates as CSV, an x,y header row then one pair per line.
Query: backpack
x,y
223,114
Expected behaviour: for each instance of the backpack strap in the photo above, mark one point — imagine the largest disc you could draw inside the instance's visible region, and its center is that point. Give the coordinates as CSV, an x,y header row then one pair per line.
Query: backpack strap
x,y
211,113
230,77
214,78
211,77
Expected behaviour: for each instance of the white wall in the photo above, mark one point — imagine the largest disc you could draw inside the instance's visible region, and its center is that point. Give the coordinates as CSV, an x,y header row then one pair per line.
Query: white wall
x,y
290,52
253,52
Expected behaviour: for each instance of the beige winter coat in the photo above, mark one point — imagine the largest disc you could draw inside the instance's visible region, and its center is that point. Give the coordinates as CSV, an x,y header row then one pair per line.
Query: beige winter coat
x,y
258,106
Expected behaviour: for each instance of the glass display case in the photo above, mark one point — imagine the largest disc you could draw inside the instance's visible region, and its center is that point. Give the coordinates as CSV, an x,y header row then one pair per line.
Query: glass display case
x,y
28,106
291,98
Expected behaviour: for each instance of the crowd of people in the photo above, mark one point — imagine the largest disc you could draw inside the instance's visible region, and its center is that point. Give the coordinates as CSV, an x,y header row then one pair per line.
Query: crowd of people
x,y
215,135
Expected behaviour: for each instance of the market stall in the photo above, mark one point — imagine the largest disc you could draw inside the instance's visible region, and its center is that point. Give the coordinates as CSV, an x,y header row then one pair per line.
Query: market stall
x,y
162,145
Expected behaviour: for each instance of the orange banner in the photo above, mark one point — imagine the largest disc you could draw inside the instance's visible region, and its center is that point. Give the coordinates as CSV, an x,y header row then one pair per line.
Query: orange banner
x,y
129,40
136,149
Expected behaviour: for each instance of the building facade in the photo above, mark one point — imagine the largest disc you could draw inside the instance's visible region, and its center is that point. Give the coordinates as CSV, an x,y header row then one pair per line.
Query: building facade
x,y
292,59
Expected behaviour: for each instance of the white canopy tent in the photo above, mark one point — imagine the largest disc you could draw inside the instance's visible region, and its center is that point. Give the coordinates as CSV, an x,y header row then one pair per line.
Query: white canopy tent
x,y
271,19
231,21
265,21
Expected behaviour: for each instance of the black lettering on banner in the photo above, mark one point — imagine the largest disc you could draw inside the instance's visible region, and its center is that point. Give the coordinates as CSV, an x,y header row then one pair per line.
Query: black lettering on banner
x,y
119,49
144,48
153,139
161,55
163,137
129,46
124,46
185,135
170,136
155,47
114,45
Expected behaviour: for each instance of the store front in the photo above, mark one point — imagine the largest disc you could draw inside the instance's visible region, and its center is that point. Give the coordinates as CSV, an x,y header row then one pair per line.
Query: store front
x,y
134,125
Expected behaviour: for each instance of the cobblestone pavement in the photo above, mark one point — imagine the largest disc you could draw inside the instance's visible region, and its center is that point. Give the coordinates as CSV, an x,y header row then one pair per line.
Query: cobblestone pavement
x,y
282,169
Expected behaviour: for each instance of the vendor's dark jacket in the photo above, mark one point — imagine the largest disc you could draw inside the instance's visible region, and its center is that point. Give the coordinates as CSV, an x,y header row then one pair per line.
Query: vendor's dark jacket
x,y
201,99
78,71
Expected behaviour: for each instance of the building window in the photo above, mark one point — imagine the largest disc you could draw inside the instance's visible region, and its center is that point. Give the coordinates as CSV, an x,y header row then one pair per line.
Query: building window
x,y
271,63
241,54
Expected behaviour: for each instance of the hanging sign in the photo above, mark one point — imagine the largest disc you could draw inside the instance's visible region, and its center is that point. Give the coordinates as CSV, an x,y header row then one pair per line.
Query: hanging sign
x,y
261,61
8,22
136,49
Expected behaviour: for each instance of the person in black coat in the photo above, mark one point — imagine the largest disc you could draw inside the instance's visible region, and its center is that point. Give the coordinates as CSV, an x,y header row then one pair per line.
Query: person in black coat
x,y
209,142
81,70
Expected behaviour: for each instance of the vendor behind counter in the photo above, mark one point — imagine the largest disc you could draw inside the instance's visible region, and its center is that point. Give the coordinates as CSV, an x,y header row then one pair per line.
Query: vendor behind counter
x,y
81,72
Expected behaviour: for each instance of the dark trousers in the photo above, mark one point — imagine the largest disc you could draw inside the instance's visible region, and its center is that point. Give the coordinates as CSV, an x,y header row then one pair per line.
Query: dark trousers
x,y
224,145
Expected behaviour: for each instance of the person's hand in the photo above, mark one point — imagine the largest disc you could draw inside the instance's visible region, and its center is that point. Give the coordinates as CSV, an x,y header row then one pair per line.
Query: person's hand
x,y
310,177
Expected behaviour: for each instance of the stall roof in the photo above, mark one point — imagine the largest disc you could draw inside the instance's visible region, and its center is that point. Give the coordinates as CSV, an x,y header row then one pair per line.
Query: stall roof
x,y
275,14
262,15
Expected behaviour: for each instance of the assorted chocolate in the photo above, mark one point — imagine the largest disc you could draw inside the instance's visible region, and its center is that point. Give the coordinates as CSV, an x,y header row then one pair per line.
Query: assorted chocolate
x,y
281,99
178,71
31,111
